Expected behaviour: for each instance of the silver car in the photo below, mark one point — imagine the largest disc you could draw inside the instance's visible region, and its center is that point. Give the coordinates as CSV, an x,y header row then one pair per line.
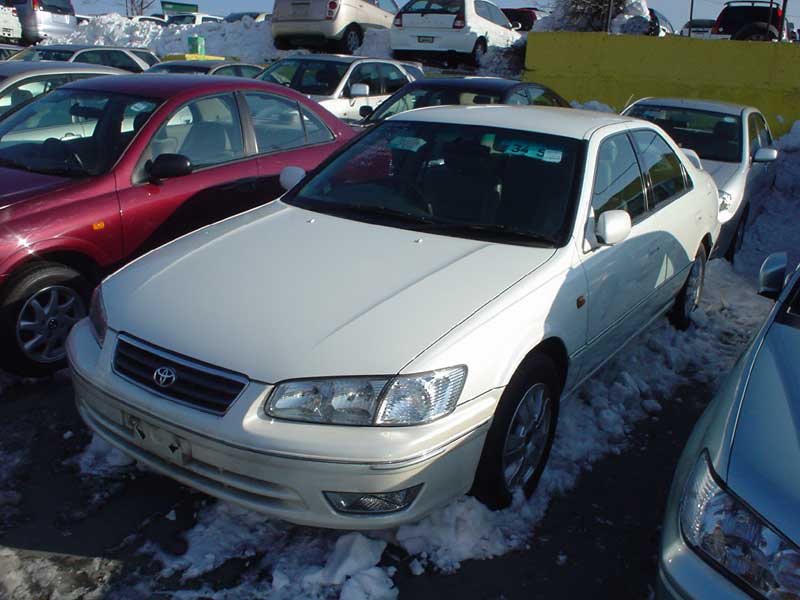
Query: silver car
x,y
732,528
45,18
134,60
343,84
735,145
21,81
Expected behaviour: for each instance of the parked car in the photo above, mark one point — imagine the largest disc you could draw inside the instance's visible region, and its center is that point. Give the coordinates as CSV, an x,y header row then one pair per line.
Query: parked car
x,y
466,91
451,27
339,24
258,17
193,19
526,17
149,19
10,25
134,60
42,19
8,50
735,145
343,84
751,20
21,82
207,67
660,25
395,382
700,28
732,529
100,171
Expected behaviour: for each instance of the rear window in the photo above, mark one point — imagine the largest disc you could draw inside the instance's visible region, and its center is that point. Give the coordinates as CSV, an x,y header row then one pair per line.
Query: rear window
x,y
736,16
146,57
439,7
181,20
185,69
63,7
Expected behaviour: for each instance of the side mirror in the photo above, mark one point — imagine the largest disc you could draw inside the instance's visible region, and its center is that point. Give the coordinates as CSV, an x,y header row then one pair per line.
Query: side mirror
x,y
516,26
291,176
694,158
365,111
765,155
772,276
167,166
359,90
612,227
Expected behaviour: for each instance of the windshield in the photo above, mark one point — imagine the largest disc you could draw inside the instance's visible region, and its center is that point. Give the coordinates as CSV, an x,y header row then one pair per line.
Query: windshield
x,y
420,97
72,132
36,54
186,69
466,181
314,77
181,20
714,136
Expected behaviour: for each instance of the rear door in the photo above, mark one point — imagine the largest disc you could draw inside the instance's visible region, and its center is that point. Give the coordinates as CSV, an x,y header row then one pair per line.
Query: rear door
x,y
760,175
209,132
387,9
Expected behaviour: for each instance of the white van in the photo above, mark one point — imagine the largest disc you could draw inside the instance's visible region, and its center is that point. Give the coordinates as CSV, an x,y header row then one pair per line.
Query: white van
x,y
337,23
10,25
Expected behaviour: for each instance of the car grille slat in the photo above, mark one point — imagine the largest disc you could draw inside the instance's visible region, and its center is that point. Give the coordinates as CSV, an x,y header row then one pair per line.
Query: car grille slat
x,y
201,386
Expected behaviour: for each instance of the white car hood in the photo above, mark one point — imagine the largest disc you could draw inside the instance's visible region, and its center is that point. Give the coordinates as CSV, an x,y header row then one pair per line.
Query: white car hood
x,y
721,172
280,293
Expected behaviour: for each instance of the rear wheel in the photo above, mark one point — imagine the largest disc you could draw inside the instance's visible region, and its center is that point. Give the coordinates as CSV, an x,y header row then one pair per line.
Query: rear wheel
x,y
282,44
689,297
756,32
478,52
351,40
521,436
39,307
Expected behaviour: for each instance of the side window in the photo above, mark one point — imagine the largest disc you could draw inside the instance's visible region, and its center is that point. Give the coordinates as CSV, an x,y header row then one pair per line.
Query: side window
x,y
754,135
662,166
210,20
393,78
229,71
540,97
414,71
276,121
28,89
147,57
618,183
207,131
388,6
497,16
110,58
365,73
248,71
482,9
763,135
518,97
316,131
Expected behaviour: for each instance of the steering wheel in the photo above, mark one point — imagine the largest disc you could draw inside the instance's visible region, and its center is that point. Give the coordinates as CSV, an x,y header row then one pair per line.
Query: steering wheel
x,y
53,147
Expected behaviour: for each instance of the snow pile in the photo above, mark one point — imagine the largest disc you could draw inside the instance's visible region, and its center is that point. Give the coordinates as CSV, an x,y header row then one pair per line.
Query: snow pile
x,y
592,15
245,40
593,105
376,44
634,19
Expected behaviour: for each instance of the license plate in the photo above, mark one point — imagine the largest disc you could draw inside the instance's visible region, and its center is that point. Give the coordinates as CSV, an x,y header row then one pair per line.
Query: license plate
x,y
425,39
60,18
300,11
159,442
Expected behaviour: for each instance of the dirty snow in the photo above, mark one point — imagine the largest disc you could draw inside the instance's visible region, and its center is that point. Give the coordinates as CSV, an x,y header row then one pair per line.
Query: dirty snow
x,y
633,19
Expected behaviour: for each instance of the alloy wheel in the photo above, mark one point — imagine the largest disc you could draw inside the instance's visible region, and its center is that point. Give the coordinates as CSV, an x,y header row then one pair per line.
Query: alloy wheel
x,y
527,435
45,320
353,41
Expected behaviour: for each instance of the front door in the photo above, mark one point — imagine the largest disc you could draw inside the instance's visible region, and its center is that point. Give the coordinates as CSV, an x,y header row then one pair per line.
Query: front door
x,y
366,73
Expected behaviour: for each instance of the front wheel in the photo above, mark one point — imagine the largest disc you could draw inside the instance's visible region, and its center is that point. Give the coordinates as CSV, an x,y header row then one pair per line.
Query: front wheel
x,y
519,441
689,297
39,307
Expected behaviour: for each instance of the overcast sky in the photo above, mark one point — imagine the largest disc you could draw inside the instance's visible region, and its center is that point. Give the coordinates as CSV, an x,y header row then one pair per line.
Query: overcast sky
x,y
677,11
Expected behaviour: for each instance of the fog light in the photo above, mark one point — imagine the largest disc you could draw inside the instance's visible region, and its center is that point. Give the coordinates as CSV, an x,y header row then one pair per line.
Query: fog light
x,y
361,503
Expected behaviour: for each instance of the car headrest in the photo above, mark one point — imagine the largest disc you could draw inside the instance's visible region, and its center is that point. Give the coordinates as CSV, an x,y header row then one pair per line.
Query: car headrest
x,y
466,156
727,131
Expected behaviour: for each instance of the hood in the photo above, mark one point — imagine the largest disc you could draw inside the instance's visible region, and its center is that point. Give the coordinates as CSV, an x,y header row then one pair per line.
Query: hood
x,y
280,293
721,172
17,185
764,467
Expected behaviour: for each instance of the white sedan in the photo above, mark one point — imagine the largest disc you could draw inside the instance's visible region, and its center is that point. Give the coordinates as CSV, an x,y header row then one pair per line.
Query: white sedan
x,y
402,326
735,145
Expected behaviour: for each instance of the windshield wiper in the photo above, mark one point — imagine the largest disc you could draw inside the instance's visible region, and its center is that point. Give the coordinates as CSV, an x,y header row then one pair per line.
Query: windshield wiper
x,y
65,171
497,231
379,211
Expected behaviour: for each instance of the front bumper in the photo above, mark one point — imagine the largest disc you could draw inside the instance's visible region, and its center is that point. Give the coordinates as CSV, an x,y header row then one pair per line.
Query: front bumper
x,y
277,481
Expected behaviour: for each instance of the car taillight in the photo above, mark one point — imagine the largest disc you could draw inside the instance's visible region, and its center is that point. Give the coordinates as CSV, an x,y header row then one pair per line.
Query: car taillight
x,y
716,27
332,8
13,12
398,20
458,22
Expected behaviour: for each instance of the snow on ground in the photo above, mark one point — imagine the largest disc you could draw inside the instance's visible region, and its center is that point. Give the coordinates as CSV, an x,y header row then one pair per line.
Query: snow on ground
x,y
592,105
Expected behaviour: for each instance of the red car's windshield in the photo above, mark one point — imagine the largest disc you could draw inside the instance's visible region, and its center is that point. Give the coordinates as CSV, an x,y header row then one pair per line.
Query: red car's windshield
x,y
72,132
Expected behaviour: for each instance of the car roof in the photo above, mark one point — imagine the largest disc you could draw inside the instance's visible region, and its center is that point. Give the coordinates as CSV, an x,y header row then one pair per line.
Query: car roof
x,y
167,85
76,47
566,122
726,108
11,68
473,84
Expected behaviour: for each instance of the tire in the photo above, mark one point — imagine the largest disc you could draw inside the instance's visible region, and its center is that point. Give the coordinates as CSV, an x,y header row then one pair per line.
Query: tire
x,y
495,483
478,52
282,44
50,298
737,240
351,40
756,32
691,292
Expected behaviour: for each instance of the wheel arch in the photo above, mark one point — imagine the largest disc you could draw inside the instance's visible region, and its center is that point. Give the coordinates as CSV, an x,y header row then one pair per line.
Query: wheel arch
x,y
555,349
79,260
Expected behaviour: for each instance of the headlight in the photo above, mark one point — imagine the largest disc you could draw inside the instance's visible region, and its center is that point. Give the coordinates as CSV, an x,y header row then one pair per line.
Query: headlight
x,y
97,316
403,400
728,534
725,201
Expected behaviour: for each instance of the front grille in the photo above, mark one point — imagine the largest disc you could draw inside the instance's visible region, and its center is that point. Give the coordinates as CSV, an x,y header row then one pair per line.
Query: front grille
x,y
198,385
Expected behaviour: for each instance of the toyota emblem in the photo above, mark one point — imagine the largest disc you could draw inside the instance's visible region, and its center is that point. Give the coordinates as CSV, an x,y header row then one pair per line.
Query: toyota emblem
x,y
164,376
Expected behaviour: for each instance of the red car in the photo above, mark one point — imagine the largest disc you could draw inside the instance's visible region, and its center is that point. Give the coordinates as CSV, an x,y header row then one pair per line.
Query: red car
x,y
102,170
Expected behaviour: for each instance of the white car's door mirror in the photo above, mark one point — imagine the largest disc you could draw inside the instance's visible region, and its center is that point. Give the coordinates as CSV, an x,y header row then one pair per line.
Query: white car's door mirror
x,y
772,276
359,90
694,158
613,226
290,177
765,155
